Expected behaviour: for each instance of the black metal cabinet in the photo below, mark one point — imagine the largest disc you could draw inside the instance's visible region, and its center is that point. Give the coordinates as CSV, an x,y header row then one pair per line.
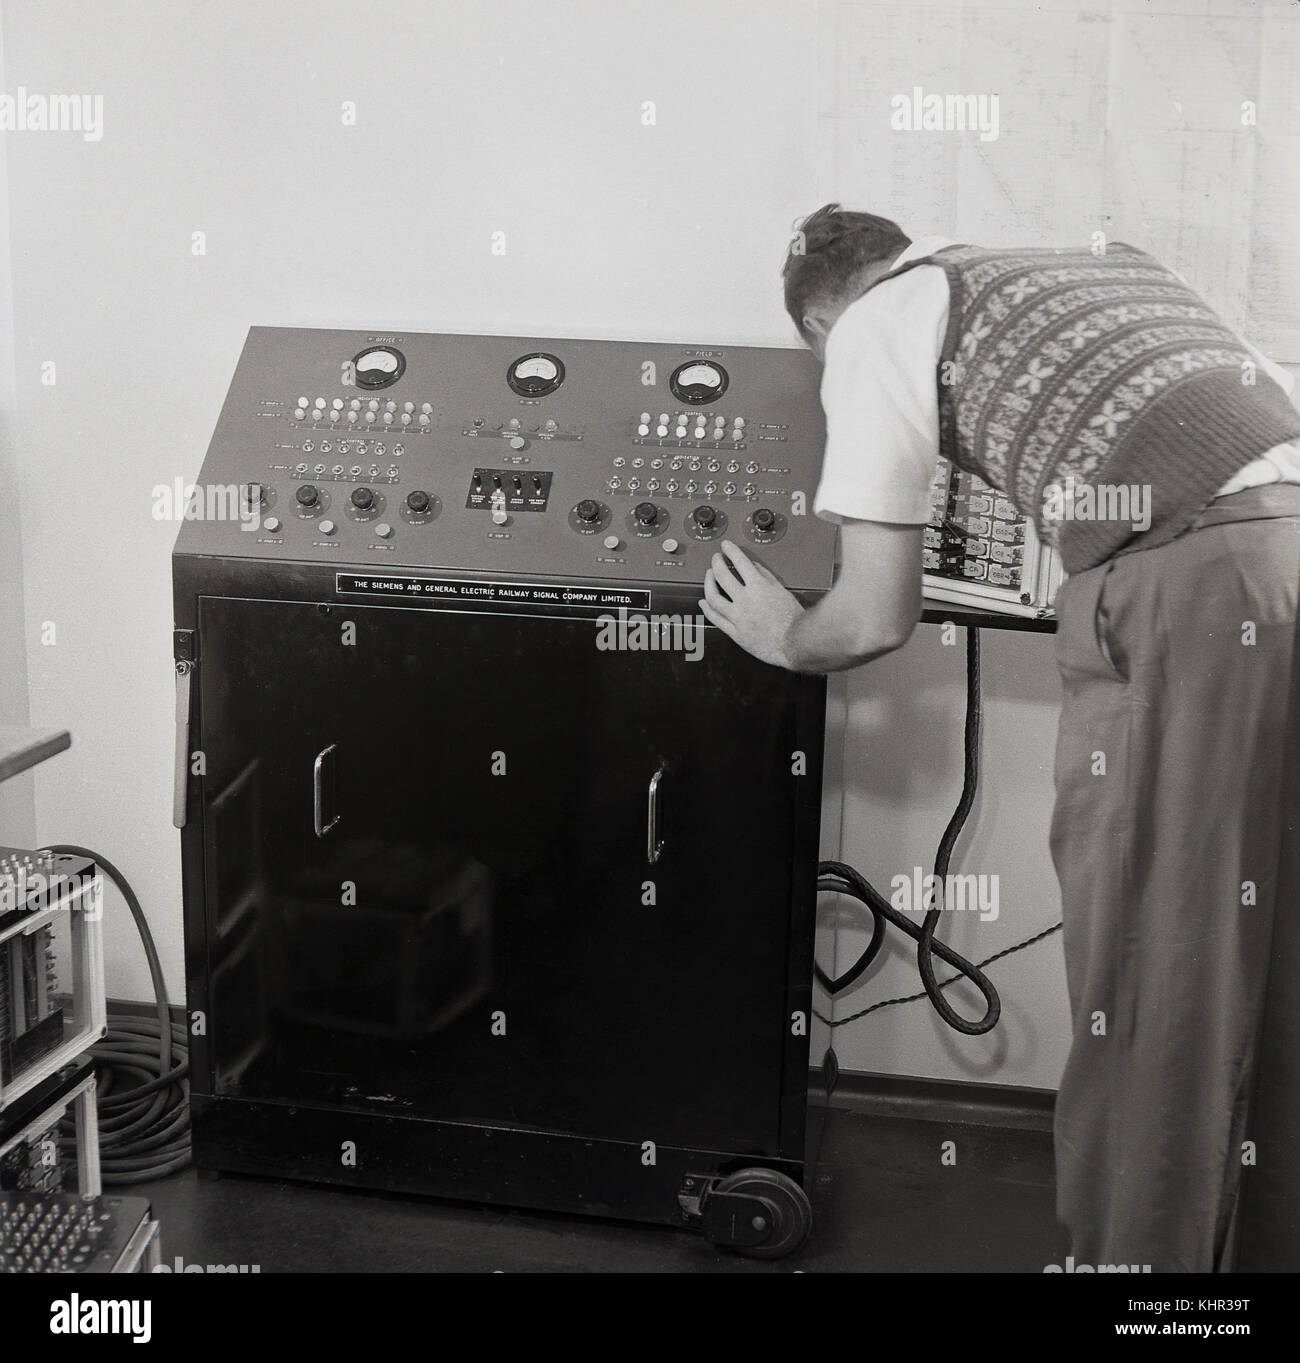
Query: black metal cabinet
x,y
429,893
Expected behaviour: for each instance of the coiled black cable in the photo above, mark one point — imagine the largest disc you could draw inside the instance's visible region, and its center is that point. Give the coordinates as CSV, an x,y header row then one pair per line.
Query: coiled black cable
x,y
837,878
144,1128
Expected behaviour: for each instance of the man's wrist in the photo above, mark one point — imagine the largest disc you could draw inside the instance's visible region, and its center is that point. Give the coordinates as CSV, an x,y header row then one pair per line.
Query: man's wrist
x,y
794,646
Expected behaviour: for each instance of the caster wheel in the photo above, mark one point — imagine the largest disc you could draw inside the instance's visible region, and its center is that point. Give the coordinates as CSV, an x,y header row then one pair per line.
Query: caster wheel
x,y
788,1211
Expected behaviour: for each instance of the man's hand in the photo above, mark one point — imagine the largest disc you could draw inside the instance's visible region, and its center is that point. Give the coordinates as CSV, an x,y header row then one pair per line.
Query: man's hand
x,y
760,612
871,610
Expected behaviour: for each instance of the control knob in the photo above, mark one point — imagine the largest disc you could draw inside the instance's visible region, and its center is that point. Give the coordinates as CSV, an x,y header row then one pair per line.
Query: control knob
x,y
587,511
418,502
307,495
764,520
705,517
362,498
647,513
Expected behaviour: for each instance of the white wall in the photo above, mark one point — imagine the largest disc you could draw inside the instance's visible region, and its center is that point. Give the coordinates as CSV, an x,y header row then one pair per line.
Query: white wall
x,y
526,118
902,778
17,804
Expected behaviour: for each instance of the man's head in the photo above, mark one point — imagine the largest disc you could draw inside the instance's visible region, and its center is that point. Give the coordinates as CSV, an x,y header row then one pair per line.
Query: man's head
x,y
834,259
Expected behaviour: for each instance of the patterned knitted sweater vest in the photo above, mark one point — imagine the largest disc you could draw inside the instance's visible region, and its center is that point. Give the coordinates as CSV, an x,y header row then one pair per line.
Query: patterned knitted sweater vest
x,y
1093,388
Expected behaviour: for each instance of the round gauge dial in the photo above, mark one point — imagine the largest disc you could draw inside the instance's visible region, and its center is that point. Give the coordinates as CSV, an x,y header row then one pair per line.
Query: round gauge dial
x,y
378,365
533,376
698,381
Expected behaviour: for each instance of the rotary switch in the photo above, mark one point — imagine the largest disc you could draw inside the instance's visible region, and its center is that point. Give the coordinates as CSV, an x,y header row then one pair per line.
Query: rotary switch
x,y
307,496
765,526
589,517
418,502
362,498
646,520
706,523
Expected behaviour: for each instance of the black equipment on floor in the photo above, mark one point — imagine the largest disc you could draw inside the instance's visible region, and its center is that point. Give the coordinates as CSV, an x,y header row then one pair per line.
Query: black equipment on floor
x,y
500,870
69,1233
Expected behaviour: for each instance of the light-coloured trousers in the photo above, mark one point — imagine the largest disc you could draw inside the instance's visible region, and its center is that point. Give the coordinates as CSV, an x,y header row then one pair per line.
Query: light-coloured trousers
x,y
1175,839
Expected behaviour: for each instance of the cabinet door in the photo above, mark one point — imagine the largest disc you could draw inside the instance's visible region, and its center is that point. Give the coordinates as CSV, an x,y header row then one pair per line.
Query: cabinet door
x,y
482,935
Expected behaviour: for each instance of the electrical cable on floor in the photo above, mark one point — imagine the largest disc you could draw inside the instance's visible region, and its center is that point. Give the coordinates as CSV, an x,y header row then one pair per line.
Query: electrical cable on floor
x,y
837,878
141,1072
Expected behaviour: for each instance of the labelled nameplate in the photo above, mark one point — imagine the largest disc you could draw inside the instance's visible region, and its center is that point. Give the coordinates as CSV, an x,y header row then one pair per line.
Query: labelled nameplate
x,y
494,595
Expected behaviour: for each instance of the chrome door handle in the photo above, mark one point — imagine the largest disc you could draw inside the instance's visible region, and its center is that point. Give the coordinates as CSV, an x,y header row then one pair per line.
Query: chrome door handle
x,y
320,796
181,771
653,842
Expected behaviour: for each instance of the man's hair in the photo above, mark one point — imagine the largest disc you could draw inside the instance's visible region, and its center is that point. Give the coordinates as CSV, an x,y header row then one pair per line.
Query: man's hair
x,y
831,251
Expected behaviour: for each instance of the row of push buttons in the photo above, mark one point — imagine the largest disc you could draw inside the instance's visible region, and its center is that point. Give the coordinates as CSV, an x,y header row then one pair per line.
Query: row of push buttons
x,y
364,414
327,527
681,426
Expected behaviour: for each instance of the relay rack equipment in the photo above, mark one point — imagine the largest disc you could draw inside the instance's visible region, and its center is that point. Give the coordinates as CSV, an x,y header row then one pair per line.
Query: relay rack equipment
x,y
51,965
499,866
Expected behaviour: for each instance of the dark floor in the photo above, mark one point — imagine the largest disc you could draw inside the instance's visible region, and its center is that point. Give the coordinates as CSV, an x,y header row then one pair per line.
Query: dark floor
x,y
882,1200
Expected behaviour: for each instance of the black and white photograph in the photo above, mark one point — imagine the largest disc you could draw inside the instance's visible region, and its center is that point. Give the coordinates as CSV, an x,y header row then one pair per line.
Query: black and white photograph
x,y
649,639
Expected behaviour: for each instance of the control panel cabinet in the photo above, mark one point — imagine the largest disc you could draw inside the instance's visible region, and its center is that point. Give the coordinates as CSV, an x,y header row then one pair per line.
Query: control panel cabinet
x,y
500,866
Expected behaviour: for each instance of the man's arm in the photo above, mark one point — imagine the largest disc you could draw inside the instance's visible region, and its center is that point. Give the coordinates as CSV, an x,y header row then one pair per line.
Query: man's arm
x,y
871,610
